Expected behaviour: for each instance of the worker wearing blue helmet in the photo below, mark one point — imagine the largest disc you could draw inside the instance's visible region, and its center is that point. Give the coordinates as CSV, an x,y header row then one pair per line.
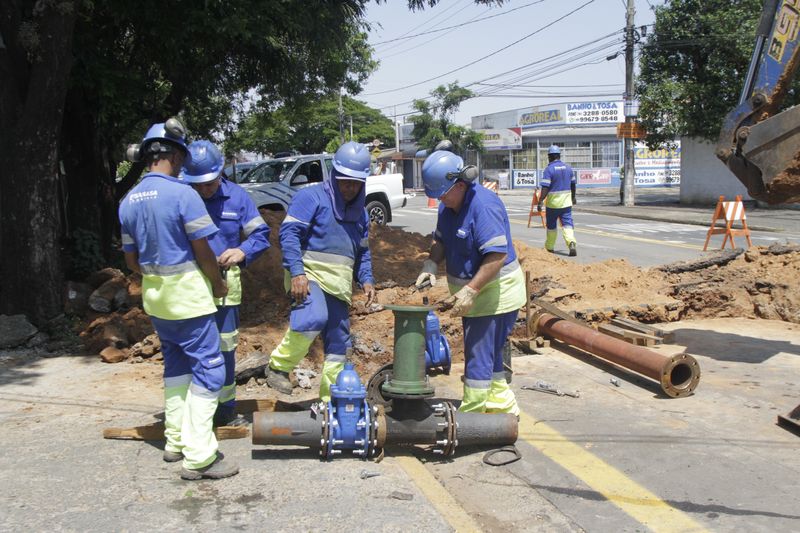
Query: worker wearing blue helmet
x,y
325,244
242,237
165,232
558,194
487,288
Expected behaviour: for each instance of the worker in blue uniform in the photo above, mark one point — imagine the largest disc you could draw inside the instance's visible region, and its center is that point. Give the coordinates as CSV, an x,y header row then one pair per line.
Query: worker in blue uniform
x,y
165,231
242,237
325,244
487,288
558,194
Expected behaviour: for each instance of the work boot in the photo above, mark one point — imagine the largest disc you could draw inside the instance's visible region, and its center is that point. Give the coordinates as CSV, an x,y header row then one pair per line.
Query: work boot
x,y
172,457
279,381
573,249
216,470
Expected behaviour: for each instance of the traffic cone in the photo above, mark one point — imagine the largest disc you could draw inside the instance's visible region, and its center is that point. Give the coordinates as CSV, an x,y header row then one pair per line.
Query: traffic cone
x,y
432,202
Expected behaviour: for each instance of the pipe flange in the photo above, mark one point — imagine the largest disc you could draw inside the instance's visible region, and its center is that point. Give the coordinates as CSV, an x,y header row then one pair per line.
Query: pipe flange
x,y
326,431
680,375
452,438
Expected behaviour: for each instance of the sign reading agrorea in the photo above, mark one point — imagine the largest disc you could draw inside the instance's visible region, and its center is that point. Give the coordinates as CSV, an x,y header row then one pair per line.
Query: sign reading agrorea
x,y
609,112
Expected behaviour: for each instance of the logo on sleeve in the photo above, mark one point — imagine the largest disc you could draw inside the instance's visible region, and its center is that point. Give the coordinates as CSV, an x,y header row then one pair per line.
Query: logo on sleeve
x,y
461,233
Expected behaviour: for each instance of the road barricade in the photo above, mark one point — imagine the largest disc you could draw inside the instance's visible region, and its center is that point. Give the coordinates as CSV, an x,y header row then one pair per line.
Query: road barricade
x,y
730,212
534,211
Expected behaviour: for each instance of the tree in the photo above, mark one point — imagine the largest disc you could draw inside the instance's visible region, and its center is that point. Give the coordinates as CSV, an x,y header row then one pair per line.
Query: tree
x,y
309,128
434,121
693,66
81,78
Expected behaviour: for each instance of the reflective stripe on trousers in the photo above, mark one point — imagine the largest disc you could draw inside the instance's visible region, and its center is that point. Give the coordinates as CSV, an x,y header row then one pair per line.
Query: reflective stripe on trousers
x,y
320,314
227,319
567,226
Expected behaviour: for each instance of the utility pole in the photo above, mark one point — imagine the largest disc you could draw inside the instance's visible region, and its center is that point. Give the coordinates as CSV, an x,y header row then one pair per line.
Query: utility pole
x,y
629,170
341,118
351,127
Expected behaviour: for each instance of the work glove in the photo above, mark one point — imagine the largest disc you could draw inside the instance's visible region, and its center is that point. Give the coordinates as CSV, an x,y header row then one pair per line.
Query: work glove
x,y
539,208
574,200
461,301
429,268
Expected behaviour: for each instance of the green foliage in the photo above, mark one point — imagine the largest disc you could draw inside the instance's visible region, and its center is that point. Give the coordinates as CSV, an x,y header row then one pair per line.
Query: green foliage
x,y
85,256
434,121
123,168
311,126
693,66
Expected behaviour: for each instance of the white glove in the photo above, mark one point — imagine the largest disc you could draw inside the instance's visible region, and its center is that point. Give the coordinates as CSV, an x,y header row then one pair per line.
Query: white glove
x,y
462,301
429,269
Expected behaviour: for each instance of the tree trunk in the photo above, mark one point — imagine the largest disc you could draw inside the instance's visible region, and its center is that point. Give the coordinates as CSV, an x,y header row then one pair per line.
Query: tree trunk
x,y
34,75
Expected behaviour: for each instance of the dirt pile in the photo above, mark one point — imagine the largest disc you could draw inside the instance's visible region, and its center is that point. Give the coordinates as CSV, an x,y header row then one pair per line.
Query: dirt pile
x,y
760,283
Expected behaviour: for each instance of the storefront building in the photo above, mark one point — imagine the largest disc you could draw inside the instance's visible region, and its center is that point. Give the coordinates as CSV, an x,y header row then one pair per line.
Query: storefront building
x,y
516,144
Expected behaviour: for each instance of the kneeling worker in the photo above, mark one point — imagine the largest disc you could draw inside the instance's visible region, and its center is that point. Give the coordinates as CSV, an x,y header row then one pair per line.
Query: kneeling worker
x,y
242,237
325,244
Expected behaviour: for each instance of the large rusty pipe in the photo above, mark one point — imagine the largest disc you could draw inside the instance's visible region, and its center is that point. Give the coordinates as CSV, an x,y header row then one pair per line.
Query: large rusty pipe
x,y
678,375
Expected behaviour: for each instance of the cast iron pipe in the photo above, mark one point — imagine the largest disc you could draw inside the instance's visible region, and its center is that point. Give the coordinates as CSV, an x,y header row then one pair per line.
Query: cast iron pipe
x,y
678,375
415,423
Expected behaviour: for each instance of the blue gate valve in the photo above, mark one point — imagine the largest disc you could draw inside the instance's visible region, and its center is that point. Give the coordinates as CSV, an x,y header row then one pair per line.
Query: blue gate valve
x,y
348,417
437,350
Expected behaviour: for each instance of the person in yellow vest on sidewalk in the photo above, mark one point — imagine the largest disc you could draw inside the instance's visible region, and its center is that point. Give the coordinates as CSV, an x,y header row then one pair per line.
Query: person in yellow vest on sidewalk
x,y
558,194
325,244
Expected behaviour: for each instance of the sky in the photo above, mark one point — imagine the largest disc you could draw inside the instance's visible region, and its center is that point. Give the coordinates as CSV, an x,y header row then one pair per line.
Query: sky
x,y
539,52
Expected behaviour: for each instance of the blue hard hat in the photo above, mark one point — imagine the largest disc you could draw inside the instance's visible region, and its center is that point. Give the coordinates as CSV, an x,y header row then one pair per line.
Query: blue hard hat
x,y
171,131
204,164
440,171
554,150
352,160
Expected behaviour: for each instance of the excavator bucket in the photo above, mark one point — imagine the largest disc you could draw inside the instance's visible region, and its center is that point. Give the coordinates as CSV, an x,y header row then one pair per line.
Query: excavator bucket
x,y
768,163
791,421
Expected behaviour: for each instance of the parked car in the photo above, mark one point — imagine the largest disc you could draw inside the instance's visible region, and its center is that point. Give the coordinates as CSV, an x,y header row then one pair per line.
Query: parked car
x,y
273,184
241,169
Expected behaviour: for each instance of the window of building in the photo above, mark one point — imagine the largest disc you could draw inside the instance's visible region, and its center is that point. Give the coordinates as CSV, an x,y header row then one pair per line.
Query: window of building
x,y
605,154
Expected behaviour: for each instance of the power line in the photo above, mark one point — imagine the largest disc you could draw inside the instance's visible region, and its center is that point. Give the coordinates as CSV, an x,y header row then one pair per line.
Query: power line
x,y
430,19
471,21
486,56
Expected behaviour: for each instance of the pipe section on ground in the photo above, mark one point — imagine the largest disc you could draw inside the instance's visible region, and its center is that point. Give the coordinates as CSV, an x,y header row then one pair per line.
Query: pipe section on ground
x,y
678,375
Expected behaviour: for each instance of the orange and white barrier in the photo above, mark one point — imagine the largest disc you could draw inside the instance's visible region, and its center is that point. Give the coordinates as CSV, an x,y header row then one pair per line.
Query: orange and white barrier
x,y
534,211
491,185
730,212
433,203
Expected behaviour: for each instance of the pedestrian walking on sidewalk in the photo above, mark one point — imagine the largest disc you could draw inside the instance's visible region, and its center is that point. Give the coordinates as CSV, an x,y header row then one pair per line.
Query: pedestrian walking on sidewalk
x,y
325,244
165,227
242,237
558,194
473,237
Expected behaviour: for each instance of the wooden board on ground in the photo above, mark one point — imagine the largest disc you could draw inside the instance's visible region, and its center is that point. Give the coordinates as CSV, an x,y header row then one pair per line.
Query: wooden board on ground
x,y
634,337
791,421
554,310
667,337
155,431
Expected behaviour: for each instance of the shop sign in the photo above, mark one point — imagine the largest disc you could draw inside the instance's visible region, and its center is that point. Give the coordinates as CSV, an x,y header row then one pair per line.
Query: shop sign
x,y
525,178
594,176
661,166
538,117
595,113
502,139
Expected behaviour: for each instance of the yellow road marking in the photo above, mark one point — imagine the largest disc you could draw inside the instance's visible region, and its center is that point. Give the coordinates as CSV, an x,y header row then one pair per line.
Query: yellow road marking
x,y
635,500
442,500
628,237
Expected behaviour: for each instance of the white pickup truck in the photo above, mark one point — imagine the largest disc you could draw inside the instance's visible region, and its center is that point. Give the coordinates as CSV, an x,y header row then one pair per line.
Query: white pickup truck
x,y
273,184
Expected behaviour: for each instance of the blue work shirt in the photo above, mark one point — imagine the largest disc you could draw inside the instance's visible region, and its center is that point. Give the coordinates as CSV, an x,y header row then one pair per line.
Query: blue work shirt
x,y
326,250
239,222
159,218
481,227
558,177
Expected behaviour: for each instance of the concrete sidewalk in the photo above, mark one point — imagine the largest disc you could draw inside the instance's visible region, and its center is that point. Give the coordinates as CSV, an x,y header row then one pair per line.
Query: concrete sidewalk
x,y
663,205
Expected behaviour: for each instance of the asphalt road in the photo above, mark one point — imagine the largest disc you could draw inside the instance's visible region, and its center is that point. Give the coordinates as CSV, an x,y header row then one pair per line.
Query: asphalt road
x,y
643,243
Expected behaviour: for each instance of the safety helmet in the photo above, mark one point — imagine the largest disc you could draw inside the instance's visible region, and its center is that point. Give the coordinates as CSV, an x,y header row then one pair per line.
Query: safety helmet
x,y
204,164
160,138
352,161
441,170
554,149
